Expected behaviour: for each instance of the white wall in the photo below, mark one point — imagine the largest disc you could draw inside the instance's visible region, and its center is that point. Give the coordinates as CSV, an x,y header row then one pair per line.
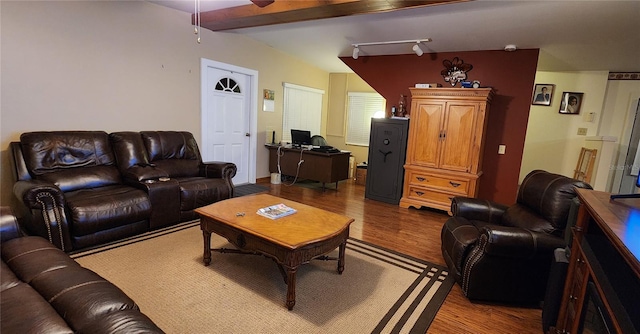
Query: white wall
x,y
552,142
619,110
121,65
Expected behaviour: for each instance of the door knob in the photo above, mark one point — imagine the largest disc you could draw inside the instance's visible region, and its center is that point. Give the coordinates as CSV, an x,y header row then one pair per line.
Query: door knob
x,y
247,134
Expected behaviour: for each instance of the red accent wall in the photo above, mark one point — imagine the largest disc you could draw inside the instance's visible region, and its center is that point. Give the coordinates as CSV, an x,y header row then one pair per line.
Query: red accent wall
x,y
511,74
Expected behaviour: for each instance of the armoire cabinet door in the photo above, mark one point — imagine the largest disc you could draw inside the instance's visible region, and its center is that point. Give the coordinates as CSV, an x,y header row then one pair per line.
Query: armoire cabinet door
x,y
459,131
426,122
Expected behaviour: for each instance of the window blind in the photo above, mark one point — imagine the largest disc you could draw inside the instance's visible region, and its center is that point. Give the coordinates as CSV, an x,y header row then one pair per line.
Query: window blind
x,y
362,107
302,110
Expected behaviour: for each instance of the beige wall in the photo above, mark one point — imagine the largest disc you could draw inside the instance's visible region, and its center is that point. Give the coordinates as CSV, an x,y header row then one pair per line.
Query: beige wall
x,y
122,65
552,142
340,85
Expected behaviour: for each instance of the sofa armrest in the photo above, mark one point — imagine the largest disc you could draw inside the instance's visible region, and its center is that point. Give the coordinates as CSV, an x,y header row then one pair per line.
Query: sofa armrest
x,y
515,242
9,228
139,173
477,209
218,169
45,214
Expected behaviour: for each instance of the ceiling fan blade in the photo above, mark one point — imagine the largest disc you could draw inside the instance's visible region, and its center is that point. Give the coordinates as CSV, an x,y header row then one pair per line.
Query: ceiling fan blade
x,y
262,3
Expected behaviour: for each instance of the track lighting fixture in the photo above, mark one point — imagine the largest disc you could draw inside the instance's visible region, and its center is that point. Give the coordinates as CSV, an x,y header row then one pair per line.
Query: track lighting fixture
x,y
416,48
196,19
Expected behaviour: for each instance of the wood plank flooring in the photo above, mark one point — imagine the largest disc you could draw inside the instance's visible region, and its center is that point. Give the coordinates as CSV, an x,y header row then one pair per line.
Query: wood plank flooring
x,y
416,233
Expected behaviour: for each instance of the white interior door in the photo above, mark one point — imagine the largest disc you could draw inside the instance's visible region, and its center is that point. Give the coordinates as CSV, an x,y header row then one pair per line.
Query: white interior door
x,y
227,118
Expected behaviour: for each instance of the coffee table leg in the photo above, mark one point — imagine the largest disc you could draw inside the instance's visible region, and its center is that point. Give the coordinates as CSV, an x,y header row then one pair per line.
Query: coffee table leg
x,y
206,257
341,250
291,287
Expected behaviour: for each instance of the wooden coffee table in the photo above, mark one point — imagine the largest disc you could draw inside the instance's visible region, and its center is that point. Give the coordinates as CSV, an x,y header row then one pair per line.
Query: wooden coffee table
x,y
290,241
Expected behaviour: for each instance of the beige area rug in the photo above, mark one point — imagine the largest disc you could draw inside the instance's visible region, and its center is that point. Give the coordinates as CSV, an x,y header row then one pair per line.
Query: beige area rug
x,y
379,291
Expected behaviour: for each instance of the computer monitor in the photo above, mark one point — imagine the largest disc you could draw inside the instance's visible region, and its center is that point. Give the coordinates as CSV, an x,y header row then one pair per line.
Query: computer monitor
x,y
300,137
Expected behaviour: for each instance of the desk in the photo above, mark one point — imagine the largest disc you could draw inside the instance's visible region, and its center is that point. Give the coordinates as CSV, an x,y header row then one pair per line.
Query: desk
x,y
317,166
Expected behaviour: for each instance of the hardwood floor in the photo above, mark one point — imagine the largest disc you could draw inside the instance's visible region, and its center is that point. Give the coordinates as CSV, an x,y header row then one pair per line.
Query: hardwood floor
x,y
416,233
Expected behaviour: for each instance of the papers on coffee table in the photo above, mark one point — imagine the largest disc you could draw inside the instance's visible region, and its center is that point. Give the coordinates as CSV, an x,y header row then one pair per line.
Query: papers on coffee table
x,y
276,211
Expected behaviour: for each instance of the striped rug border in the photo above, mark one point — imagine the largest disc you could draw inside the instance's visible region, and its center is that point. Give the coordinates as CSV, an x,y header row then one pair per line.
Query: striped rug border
x,y
413,312
135,239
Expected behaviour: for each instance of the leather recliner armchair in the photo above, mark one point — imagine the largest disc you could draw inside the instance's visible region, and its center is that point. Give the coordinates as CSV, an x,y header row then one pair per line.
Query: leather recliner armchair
x,y
71,191
503,253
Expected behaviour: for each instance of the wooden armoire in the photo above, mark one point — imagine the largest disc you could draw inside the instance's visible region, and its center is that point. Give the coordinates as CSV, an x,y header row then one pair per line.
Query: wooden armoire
x,y
446,141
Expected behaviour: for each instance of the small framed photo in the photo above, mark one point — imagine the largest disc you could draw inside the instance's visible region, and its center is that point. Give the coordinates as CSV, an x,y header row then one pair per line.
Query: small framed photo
x,y
542,94
571,103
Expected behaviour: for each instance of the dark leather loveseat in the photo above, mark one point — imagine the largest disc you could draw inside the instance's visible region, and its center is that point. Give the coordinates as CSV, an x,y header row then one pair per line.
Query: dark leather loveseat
x,y
84,188
504,253
42,290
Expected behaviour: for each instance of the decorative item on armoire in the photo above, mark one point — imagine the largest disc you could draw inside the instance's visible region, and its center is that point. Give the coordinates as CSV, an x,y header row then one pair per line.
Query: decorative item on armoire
x,y
455,70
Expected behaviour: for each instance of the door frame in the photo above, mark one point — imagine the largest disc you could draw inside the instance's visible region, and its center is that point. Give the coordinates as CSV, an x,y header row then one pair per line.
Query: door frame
x,y
251,113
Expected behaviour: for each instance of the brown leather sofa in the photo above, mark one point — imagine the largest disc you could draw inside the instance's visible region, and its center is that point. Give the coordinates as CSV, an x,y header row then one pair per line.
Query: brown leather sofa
x,y
84,188
504,253
42,290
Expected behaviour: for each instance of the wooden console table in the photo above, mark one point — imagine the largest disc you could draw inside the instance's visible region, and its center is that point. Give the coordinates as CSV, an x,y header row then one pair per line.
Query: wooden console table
x,y
602,289
317,166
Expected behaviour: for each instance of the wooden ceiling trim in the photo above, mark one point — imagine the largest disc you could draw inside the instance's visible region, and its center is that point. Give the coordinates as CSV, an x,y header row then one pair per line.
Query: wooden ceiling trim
x,y
287,11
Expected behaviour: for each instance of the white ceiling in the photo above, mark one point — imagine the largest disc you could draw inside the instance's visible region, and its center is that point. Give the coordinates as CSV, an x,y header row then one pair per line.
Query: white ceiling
x,y
571,35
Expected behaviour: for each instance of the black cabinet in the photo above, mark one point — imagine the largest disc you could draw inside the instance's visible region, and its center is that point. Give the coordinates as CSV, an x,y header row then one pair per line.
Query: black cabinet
x,y
387,153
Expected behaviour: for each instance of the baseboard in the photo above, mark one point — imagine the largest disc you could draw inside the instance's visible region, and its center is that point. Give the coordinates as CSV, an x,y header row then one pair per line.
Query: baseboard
x,y
263,180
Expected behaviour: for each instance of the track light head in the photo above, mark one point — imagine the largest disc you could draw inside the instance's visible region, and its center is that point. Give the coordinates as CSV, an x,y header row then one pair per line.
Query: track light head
x,y
356,51
417,50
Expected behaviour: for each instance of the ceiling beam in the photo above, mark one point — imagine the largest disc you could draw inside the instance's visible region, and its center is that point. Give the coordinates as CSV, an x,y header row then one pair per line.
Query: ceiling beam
x,y
288,11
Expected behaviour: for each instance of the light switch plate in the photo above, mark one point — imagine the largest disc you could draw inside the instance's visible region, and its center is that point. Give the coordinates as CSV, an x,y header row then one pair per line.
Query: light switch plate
x,y
582,131
502,149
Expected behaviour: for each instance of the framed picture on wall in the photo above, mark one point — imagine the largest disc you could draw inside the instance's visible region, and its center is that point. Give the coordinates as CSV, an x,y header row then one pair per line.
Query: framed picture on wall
x,y
542,94
571,103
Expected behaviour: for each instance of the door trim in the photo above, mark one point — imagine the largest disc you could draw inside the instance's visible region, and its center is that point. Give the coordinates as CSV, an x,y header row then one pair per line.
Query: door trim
x,y
252,113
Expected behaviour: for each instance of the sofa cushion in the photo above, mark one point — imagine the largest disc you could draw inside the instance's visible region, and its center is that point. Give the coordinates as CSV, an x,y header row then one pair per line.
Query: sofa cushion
x,y
163,145
45,291
199,191
549,195
22,299
81,178
70,159
124,321
129,149
98,209
521,216
179,167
